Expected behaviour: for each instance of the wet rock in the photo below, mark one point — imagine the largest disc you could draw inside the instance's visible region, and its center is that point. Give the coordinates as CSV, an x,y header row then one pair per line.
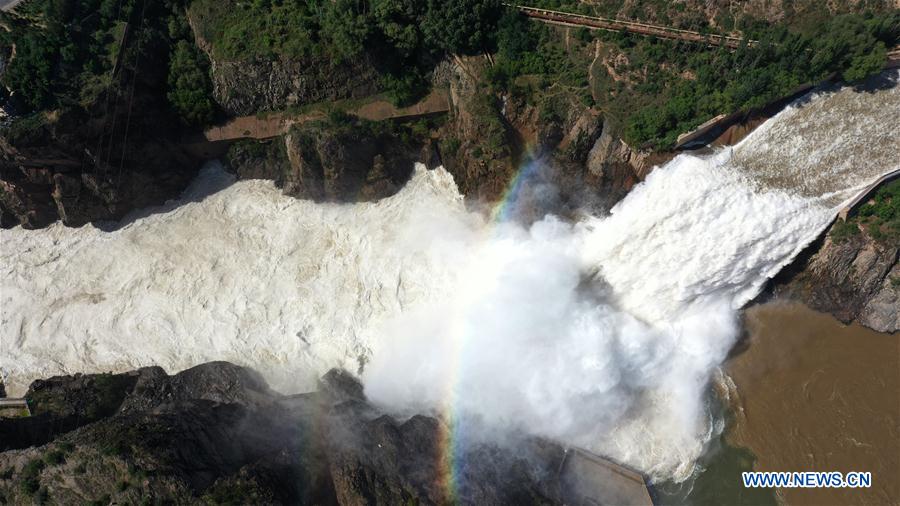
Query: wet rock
x,y
339,160
855,279
64,403
57,176
217,434
219,382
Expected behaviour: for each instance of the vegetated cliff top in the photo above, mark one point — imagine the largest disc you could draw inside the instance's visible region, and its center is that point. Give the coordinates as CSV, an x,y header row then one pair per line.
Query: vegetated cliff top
x,y
66,58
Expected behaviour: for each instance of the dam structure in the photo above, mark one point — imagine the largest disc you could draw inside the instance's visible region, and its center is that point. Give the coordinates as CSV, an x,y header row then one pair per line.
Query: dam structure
x,y
600,333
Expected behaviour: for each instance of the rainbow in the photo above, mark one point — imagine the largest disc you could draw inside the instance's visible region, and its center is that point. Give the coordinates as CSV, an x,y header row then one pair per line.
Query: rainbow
x,y
450,455
505,208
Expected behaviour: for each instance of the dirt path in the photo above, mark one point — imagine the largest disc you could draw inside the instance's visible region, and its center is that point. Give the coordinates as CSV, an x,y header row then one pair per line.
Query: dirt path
x,y
278,123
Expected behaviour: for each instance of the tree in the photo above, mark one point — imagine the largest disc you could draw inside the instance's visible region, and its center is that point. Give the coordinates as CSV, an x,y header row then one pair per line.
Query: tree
x,y
399,21
461,26
189,86
29,75
345,23
864,65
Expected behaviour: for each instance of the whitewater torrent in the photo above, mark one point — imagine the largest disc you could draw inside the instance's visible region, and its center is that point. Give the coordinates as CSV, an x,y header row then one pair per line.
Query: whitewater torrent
x,y
603,333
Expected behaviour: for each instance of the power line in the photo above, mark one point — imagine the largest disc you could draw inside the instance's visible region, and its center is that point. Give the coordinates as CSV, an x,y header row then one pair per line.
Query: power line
x,y
131,92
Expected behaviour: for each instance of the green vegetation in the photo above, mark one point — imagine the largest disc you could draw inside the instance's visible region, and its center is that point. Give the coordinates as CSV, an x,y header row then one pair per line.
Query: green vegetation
x,y
852,46
79,54
664,88
188,81
881,215
31,476
235,491
67,52
102,501
188,85
880,218
55,457
345,28
527,48
844,230
404,38
107,392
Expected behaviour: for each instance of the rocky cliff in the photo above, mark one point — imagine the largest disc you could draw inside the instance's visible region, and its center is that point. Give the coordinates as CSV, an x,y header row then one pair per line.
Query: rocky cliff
x,y
67,168
854,277
571,158
340,159
217,434
247,87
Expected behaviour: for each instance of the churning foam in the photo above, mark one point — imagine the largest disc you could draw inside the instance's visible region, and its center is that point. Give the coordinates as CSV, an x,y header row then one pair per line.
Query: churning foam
x,y
601,333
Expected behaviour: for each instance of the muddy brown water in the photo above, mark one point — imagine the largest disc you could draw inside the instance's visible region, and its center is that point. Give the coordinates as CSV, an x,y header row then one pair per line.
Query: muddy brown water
x,y
812,394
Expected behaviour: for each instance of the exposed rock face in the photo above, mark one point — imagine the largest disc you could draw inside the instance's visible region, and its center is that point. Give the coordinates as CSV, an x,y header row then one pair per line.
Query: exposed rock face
x,y
580,163
246,87
56,171
478,144
338,165
857,278
352,162
217,434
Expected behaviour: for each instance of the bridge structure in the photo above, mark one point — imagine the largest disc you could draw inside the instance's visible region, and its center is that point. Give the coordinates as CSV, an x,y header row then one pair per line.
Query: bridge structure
x,y
617,25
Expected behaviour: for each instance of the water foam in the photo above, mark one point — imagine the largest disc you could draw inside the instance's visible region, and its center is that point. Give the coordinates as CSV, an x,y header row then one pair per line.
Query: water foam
x,y
602,333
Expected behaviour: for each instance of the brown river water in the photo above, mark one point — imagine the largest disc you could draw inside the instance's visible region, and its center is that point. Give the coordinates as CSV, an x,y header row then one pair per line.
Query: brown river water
x,y
812,394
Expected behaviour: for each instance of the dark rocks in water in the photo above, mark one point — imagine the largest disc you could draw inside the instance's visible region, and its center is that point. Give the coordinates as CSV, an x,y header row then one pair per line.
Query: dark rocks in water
x,y
216,433
219,382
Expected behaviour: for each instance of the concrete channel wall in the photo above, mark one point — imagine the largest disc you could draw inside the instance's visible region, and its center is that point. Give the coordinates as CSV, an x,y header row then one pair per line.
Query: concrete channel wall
x,y
864,196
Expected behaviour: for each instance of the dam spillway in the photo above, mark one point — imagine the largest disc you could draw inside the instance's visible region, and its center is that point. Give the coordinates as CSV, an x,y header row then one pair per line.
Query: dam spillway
x,y
617,320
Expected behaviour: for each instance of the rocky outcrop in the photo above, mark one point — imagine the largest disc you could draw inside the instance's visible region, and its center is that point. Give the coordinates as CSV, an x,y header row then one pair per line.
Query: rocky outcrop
x,y
66,167
343,159
574,159
478,146
250,85
247,87
217,434
855,278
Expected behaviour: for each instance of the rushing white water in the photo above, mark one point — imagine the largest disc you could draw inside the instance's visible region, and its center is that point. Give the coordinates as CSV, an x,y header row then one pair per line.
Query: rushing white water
x,y
601,333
